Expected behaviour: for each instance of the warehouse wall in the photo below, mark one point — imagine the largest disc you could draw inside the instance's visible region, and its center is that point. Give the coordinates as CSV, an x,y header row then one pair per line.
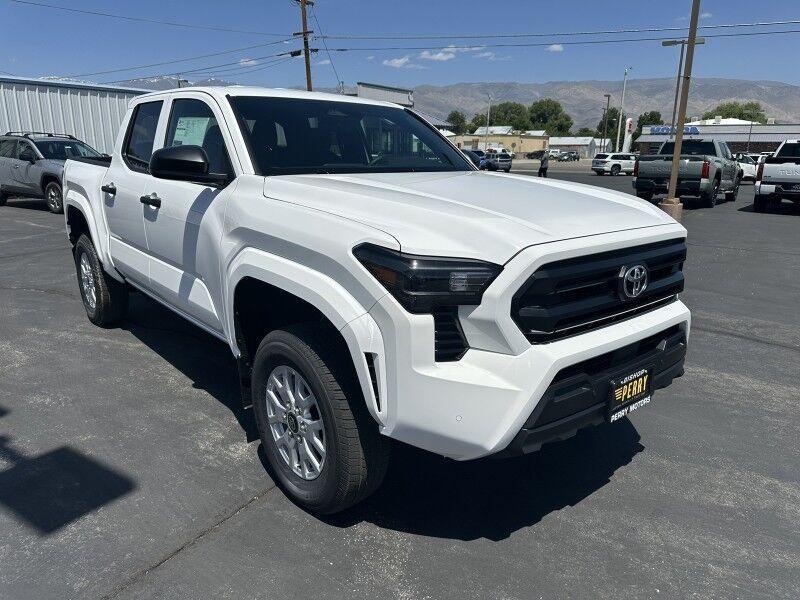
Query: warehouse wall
x,y
90,114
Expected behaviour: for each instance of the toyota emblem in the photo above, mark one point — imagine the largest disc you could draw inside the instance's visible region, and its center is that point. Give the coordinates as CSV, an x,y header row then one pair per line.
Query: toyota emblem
x,y
633,281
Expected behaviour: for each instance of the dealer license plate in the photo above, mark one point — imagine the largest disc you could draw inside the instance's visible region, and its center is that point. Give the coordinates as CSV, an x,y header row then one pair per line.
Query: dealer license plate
x,y
630,392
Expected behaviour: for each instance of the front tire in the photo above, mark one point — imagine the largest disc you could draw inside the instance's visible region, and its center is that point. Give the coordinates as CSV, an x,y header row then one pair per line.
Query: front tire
x,y
322,446
53,197
734,193
615,170
104,298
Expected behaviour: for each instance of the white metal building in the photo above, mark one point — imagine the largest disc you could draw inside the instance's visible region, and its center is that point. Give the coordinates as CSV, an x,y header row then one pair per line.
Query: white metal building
x,y
90,112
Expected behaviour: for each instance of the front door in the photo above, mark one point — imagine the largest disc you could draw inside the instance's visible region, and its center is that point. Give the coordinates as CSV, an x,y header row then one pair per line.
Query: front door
x,y
183,231
24,171
123,186
8,152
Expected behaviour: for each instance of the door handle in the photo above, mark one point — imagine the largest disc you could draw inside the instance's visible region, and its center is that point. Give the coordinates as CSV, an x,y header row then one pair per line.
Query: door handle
x,y
109,189
151,200
15,166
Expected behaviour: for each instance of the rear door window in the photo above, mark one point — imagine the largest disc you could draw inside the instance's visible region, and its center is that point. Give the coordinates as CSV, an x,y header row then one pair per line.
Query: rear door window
x,y
141,134
8,148
791,150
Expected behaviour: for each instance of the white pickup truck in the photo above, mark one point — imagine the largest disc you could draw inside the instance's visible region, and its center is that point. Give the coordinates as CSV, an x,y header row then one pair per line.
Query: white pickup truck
x,y
373,284
778,177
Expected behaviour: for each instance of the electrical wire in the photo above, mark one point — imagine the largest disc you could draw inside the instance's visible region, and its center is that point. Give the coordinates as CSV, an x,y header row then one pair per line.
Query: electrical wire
x,y
558,42
146,20
325,44
179,60
550,34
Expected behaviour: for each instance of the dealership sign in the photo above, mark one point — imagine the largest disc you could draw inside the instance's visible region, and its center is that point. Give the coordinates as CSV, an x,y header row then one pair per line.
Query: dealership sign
x,y
667,130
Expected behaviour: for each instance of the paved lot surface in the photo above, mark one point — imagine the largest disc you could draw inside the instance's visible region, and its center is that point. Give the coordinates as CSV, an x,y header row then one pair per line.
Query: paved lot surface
x,y
126,472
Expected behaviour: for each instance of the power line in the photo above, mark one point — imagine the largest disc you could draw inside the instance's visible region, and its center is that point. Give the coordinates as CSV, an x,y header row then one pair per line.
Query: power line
x,y
557,42
243,68
550,34
261,67
179,60
325,44
201,69
145,20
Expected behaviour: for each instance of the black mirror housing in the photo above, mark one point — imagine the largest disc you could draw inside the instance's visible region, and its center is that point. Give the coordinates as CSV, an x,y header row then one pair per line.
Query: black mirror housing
x,y
184,163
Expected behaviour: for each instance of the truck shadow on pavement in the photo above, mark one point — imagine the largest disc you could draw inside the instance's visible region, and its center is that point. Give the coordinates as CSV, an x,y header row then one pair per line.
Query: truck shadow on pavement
x,y
58,487
491,498
423,493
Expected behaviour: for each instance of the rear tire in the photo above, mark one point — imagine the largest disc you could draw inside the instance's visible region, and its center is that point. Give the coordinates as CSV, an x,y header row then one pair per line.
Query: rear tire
x,y
104,298
53,197
355,453
709,200
761,203
3,198
615,169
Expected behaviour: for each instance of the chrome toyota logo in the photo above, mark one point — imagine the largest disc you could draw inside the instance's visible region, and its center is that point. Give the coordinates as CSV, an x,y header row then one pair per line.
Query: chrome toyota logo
x,y
633,281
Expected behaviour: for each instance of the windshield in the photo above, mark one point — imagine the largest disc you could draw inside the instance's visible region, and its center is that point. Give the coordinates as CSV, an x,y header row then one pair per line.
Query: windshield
x,y
289,136
792,150
690,147
64,149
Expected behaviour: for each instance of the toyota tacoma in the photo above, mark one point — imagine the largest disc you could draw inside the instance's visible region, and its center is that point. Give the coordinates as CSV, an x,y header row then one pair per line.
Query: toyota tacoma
x,y
372,283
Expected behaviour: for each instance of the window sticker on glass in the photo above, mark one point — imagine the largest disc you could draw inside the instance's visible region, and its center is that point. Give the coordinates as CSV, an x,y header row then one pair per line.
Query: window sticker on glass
x,y
190,131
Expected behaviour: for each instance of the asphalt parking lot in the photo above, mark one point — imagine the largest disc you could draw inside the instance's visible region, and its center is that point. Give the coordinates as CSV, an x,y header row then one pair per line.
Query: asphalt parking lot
x,y
127,469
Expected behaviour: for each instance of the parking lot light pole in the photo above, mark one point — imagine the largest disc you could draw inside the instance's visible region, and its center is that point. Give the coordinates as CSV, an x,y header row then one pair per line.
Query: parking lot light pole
x,y
488,113
621,108
672,205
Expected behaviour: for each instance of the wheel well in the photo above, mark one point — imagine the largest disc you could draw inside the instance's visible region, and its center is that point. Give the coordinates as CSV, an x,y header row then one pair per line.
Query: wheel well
x,y
47,178
259,308
77,224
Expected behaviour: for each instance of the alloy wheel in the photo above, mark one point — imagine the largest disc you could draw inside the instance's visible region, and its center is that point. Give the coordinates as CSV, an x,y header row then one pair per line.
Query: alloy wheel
x,y
87,282
295,422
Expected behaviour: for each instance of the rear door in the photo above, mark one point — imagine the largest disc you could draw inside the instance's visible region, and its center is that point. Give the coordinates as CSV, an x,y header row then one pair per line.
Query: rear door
x,y
125,180
183,232
8,151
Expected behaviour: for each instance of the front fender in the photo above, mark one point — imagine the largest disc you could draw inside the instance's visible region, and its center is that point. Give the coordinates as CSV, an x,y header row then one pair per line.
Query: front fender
x,y
359,330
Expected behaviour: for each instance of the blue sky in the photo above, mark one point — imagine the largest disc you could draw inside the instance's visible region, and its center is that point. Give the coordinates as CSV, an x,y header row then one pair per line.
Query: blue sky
x,y
41,41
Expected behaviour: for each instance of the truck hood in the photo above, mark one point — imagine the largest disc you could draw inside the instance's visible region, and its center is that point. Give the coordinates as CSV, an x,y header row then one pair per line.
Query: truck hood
x,y
469,214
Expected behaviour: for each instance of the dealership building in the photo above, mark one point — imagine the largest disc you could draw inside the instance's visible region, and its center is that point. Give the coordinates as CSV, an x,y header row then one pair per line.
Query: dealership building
x,y
741,137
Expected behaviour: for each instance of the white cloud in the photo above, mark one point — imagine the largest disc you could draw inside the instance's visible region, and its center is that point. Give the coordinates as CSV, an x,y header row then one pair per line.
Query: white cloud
x,y
706,15
248,62
555,48
370,58
324,61
491,56
401,62
441,55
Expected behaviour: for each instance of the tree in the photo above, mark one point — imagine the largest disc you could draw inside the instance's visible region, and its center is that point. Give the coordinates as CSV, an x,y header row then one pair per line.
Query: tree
x,y
510,113
587,132
611,124
479,120
548,114
459,122
749,111
651,117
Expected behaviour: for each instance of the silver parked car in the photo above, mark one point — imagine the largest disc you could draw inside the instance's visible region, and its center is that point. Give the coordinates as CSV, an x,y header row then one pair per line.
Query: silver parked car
x,y
32,164
497,161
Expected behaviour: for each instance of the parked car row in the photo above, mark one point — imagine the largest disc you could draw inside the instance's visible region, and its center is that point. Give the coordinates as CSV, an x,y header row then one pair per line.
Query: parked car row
x,y
490,160
32,165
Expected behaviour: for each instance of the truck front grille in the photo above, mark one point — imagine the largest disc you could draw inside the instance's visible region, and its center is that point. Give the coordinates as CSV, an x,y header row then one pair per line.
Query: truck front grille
x,y
576,295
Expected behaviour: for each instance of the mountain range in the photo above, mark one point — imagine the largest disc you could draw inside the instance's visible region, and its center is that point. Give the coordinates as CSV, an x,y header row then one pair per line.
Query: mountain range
x,y
583,100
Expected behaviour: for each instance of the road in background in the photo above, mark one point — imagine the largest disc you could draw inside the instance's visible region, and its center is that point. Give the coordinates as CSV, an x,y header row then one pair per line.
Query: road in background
x,y
126,472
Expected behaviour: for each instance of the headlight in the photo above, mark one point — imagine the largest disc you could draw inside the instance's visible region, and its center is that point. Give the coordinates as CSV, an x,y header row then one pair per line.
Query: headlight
x,y
421,283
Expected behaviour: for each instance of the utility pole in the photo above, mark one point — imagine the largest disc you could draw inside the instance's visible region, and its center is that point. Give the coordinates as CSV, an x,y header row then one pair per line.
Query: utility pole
x,y
605,123
621,108
672,205
488,113
305,33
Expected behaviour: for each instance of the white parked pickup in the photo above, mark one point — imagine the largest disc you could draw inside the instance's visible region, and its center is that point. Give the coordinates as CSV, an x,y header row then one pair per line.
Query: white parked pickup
x,y
373,284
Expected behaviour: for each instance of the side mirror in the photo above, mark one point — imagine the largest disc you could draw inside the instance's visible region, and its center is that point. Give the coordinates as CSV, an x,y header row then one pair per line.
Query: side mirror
x,y
184,163
28,156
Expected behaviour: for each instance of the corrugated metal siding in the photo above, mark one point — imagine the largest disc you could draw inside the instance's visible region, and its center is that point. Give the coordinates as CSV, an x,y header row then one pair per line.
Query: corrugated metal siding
x,y
90,114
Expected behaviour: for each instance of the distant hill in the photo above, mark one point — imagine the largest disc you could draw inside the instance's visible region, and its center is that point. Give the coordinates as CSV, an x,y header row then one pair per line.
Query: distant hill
x,y
583,100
